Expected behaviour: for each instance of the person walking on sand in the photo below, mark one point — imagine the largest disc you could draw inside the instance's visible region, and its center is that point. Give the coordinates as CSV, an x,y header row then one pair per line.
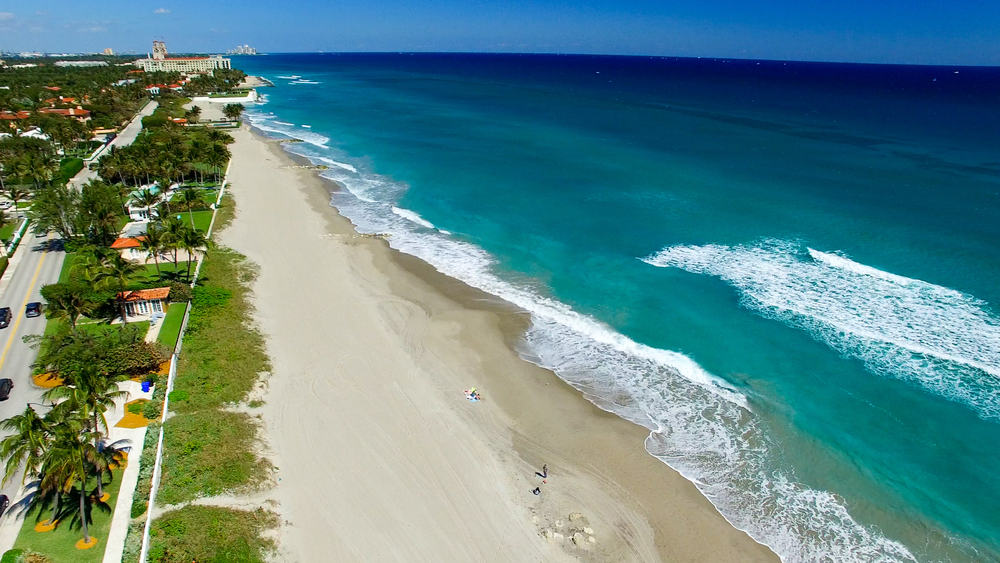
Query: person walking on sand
x,y
545,472
536,491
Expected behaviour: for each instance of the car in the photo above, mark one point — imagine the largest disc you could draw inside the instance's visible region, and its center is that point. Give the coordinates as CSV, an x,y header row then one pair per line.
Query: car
x,y
6,204
33,309
5,317
4,502
6,385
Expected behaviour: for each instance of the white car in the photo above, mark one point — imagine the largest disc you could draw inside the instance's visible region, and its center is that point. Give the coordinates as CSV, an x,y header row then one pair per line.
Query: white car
x,y
6,204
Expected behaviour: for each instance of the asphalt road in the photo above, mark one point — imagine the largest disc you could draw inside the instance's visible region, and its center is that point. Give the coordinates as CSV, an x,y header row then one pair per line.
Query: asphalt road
x,y
41,259
39,265
125,138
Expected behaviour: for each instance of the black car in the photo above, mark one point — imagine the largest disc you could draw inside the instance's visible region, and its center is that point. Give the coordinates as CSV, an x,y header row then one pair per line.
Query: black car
x,y
4,501
4,317
5,386
33,309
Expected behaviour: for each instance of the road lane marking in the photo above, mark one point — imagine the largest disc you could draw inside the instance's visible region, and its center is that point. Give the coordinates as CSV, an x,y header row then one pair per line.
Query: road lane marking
x,y
17,322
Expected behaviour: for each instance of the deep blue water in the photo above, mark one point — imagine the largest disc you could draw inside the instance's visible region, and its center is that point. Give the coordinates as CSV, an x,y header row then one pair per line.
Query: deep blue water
x,y
787,271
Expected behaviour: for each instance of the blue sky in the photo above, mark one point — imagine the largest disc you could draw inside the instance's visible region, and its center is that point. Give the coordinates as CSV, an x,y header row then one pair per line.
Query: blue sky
x,y
917,31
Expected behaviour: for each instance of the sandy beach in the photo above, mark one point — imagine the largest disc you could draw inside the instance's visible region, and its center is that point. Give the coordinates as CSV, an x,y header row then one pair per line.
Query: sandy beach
x,y
380,456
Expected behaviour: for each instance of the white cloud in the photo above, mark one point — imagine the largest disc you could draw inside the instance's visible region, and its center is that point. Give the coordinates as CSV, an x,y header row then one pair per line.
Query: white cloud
x,y
4,16
161,11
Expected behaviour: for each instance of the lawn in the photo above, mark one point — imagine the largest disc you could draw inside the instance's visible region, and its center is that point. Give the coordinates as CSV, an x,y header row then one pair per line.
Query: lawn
x,y
71,258
171,327
59,544
7,231
148,276
208,196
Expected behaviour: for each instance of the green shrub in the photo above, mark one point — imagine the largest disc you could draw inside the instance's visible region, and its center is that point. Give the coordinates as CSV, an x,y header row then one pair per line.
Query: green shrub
x,y
180,292
208,453
68,168
11,556
156,120
152,409
211,533
141,498
137,407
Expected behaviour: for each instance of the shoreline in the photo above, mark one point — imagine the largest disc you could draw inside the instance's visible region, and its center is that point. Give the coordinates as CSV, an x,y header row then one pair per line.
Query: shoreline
x,y
451,336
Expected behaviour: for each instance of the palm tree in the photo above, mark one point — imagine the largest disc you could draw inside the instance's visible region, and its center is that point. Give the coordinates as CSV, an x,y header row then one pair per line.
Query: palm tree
x,y
17,194
217,158
175,236
149,199
117,272
70,457
233,111
90,394
189,197
192,240
70,305
153,243
29,438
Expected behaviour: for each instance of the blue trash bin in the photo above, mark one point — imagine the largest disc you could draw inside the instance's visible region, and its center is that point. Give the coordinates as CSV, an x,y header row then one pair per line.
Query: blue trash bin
x,y
146,385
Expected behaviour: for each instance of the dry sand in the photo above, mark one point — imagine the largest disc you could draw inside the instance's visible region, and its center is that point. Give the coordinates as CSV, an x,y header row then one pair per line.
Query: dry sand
x,y
381,457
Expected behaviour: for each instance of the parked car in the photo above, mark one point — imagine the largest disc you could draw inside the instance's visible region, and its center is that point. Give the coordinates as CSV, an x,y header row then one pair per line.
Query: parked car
x,y
6,385
33,309
5,317
6,204
4,502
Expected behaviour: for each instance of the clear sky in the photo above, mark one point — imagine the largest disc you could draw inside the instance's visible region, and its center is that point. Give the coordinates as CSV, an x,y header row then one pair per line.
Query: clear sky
x,y
910,31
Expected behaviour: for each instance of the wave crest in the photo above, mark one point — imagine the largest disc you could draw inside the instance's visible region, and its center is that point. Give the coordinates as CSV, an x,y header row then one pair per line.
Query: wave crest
x,y
941,339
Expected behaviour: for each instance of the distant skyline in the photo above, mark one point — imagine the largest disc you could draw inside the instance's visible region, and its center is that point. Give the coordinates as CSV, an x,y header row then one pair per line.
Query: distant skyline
x,y
891,31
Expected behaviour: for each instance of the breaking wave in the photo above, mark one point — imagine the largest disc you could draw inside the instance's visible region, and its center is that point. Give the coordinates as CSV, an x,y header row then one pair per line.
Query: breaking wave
x,y
941,339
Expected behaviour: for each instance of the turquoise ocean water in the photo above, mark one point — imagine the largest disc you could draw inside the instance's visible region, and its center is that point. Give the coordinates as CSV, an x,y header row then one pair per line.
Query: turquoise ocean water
x,y
786,271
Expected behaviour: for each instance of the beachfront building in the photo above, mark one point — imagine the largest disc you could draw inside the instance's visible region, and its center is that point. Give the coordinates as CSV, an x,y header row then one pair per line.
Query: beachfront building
x,y
160,62
144,304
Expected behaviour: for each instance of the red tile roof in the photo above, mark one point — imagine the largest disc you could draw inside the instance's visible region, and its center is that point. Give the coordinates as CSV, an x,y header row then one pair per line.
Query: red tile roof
x,y
68,112
145,294
12,115
126,243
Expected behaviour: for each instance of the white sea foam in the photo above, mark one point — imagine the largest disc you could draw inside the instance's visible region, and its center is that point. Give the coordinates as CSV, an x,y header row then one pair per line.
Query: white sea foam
x,y
413,216
306,126
941,339
266,122
343,165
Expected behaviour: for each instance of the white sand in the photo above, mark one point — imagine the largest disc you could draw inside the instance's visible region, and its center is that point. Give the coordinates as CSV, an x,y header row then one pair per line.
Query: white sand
x,y
382,458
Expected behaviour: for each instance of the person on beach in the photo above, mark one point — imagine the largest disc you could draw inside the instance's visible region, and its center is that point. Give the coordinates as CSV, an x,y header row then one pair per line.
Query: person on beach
x,y
545,472
536,491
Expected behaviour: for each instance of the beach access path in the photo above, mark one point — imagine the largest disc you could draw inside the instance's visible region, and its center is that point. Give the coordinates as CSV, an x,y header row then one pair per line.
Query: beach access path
x,y
379,455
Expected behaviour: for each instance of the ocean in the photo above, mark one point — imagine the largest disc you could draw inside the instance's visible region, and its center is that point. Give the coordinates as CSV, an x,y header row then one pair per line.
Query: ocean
x,y
786,271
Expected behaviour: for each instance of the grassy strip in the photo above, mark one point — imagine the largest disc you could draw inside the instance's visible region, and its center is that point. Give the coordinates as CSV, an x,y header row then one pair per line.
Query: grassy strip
x,y
222,353
7,231
211,533
171,327
68,168
209,453
59,544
